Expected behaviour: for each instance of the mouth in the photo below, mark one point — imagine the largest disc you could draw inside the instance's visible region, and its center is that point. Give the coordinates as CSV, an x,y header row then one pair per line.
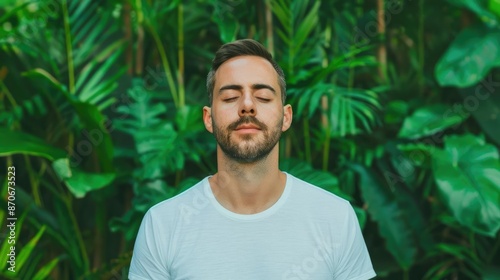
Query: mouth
x,y
247,129
247,125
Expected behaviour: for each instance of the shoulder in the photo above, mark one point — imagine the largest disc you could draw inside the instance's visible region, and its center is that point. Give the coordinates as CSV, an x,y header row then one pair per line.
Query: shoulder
x,y
170,208
309,192
316,203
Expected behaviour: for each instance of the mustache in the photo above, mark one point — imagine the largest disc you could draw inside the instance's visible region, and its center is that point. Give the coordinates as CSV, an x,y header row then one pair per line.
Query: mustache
x,y
246,120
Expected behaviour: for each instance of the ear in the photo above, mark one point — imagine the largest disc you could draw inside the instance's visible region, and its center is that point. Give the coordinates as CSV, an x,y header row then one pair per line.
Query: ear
x,y
207,118
287,117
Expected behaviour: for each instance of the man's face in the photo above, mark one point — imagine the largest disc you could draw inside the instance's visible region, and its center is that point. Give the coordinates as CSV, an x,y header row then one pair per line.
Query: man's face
x,y
247,115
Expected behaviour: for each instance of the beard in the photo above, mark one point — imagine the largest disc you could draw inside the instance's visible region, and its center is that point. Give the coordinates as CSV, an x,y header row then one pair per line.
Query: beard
x,y
251,148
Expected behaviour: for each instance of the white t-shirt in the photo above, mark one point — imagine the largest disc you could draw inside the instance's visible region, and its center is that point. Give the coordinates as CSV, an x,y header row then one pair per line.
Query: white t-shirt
x,y
308,233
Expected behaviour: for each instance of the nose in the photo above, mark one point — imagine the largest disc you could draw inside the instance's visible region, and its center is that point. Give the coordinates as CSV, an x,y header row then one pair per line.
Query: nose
x,y
247,106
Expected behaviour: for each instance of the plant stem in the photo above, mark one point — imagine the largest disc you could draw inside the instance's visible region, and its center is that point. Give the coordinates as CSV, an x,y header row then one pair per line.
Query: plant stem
x,y
472,240
128,37
326,150
180,75
166,65
421,50
139,55
78,233
382,52
100,230
178,177
350,81
493,252
34,185
291,49
307,141
326,126
8,94
71,139
288,146
69,48
269,28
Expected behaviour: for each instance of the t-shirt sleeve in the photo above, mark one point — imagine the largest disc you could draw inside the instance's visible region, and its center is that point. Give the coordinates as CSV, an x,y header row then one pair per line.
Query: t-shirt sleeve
x,y
354,261
148,262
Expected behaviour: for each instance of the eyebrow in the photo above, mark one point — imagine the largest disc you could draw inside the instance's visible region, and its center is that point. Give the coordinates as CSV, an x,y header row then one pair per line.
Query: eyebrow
x,y
254,86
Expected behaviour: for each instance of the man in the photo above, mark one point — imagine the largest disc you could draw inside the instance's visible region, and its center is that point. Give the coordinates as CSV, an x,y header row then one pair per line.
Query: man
x,y
250,220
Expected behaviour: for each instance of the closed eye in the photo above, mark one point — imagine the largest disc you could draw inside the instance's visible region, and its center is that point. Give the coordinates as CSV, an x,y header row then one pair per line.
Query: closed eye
x,y
230,99
264,99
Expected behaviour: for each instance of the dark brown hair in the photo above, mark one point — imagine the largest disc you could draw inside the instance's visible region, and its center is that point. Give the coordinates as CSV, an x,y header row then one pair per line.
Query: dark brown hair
x,y
241,48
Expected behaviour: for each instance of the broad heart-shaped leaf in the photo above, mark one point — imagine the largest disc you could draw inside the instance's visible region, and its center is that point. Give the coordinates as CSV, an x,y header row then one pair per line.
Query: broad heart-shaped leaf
x,y
470,57
428,120
16,142
467,173
385,210
79,182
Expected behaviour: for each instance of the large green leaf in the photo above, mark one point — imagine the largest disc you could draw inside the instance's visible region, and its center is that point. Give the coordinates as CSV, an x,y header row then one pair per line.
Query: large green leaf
x,y
16,142
228,27
384,209
187,119
352,111
480,9
467,173
494,7
428,120
96,135
297,23
78,182
472,55
483,102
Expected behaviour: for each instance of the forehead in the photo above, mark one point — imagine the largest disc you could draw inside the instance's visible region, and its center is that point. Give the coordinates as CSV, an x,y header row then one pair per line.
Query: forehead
x,y
246,69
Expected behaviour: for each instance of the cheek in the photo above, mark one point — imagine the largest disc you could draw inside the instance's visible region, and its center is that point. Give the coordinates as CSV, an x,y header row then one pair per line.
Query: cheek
x,y
221,120
275,114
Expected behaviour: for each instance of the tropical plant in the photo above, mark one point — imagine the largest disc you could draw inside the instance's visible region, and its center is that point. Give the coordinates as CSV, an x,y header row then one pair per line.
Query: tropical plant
x,y
395,110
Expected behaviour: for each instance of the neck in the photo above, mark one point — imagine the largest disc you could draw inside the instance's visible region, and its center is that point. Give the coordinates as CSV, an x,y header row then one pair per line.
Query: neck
x,y
248,188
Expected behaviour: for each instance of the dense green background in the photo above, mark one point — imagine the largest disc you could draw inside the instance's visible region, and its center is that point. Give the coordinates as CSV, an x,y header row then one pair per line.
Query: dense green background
x,y
397,109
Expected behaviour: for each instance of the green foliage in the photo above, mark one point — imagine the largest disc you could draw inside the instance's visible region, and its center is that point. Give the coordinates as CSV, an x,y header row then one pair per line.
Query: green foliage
x,y
14,142
101,114
24,254
428,120
470,58
479,8
161,147
393,224
467,173
78,182
494,7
